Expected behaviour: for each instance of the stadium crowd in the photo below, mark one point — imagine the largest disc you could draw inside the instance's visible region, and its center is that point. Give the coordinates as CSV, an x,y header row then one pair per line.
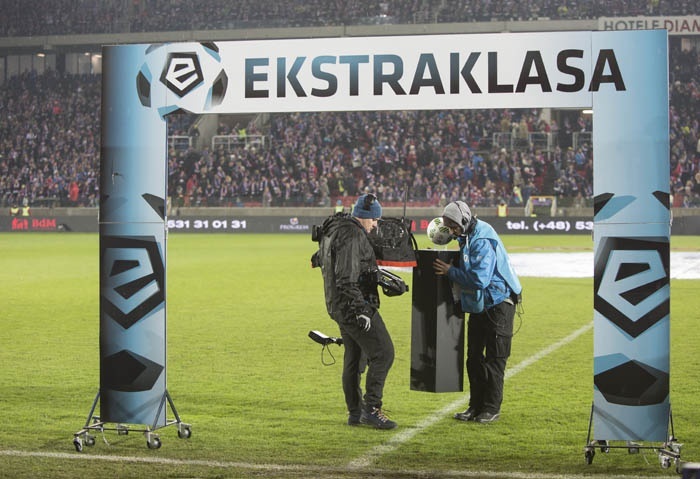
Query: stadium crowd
x,y
436,156
61,17
50,138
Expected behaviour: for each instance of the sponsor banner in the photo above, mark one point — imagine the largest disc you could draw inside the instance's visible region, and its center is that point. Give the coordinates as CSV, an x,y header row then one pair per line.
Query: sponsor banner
x,y
133,166
631,342
303,224
531,225
243,224
558,69
632,226
29,223
133,172
682,225
688,25
132,323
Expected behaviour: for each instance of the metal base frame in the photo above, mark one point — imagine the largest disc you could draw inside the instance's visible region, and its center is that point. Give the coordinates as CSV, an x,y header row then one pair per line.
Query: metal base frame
x,y
93,424
668,452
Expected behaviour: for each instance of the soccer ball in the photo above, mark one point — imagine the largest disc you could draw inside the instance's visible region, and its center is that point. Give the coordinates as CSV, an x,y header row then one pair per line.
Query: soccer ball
x,y
438,232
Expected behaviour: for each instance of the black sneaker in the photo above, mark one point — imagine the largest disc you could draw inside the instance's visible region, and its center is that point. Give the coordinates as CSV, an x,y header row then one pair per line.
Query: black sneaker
x,y
354,419
377,419
467,415
487,417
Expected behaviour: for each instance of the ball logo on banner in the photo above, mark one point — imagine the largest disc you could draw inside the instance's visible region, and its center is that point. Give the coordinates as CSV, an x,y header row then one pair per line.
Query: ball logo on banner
x,y
182,73
197,78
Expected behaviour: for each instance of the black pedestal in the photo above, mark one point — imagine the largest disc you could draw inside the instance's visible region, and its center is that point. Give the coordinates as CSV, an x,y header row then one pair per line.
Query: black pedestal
x,y
437,328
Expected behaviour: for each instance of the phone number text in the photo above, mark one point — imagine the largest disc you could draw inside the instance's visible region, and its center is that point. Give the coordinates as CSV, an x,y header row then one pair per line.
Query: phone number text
x,y
551,225
208,224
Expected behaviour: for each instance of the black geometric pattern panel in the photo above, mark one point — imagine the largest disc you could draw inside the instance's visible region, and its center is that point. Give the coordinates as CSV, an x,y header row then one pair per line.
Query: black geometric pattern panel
x,y
129,372
633,384
155,202
664,198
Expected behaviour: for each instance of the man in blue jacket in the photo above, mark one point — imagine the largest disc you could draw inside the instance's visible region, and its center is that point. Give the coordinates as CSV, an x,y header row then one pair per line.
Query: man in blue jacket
x,y
489,291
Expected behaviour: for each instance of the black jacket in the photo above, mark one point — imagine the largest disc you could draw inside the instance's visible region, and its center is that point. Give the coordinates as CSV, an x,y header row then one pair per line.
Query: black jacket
x,y
349,268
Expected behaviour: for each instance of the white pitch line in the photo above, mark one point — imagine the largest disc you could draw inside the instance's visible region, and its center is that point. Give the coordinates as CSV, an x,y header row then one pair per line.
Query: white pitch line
x,y
299,468
164,461
407,434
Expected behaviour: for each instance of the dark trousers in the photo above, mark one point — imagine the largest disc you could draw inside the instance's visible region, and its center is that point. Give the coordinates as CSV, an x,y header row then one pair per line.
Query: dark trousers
x,y
376,349
489,336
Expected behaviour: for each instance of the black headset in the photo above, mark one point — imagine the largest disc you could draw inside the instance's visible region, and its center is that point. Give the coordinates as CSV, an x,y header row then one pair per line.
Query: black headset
x,y
467,226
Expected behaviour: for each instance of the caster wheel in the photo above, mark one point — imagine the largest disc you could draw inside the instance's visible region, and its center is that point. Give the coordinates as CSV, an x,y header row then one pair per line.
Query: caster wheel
x,y
153,443
589,454
89,440
78,444
604,446
665,462
122,430
184,432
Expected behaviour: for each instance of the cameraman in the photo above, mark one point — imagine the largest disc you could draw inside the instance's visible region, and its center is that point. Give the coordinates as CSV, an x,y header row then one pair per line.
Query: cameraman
x,y
349,268
489,291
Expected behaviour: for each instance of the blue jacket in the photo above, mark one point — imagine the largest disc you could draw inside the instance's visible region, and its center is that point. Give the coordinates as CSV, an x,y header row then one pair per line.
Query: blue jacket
x,y
484,275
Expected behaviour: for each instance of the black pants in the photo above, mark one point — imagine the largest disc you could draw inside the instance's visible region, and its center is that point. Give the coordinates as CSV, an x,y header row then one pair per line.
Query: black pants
x,y
489,336
376,349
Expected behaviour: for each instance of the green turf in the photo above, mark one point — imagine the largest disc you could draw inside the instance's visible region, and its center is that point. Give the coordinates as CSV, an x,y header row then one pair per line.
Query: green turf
x,y
243,372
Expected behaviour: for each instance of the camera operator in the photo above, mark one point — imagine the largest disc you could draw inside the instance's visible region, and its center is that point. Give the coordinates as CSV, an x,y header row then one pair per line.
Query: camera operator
x,y
349,268
489,291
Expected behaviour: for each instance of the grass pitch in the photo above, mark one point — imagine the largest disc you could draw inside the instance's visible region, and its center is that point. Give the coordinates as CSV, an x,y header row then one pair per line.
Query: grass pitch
x,y
243,372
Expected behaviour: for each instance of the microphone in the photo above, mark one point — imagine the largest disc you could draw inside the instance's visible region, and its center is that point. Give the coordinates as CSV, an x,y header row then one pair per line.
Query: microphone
x,y
324,340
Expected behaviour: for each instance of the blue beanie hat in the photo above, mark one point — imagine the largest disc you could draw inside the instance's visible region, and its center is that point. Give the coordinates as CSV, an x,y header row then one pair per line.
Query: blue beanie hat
x,y
367,207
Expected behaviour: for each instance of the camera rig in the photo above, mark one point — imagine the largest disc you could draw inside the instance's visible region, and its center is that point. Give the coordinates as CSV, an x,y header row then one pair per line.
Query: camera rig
x,y
392,284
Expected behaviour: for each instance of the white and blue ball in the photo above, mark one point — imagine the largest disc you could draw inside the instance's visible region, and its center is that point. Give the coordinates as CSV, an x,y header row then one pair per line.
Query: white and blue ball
x,y
438,233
